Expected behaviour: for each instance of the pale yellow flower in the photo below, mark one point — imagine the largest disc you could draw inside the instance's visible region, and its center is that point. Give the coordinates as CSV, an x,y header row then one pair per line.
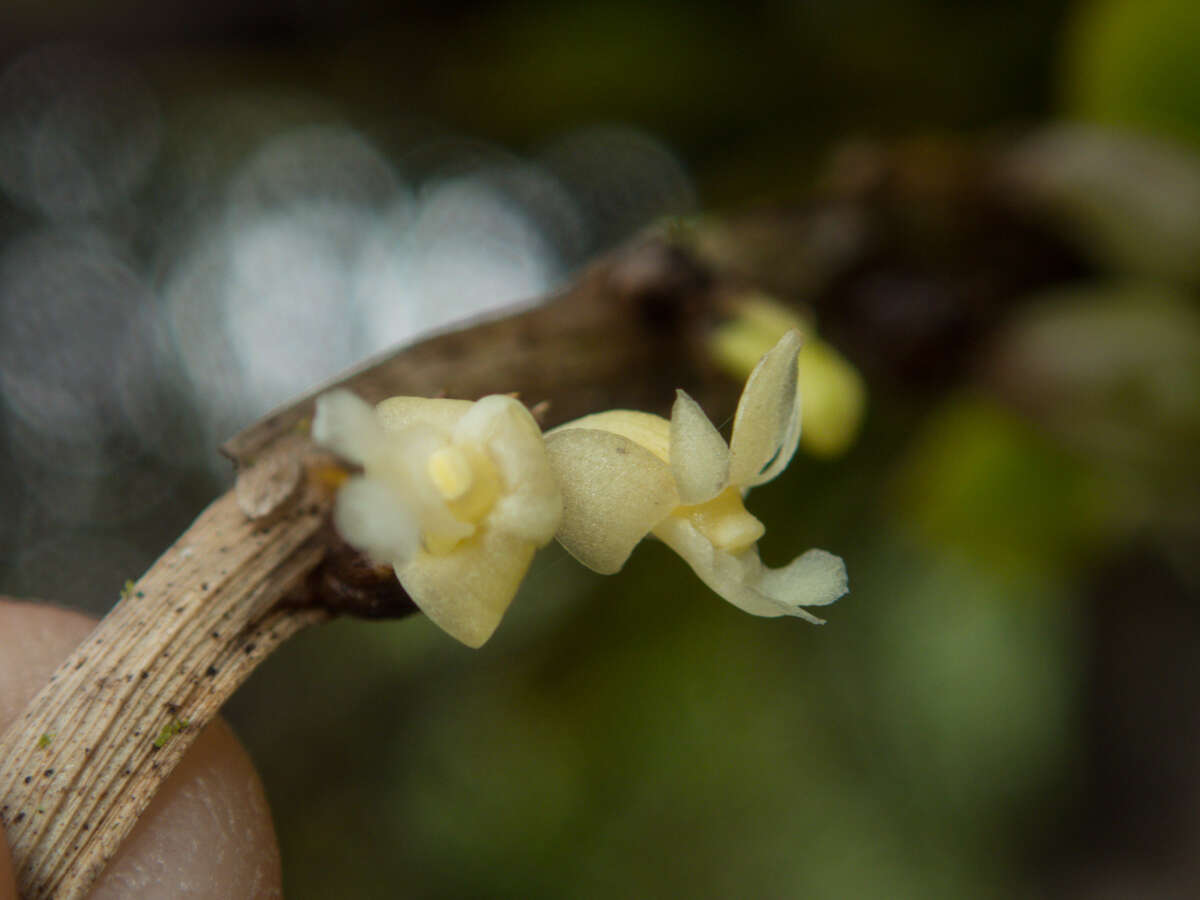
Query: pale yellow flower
x,y
628,474
457,496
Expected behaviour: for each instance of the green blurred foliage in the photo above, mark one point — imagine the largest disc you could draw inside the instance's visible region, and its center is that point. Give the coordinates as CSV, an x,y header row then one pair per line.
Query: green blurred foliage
x,y
1136,64
1111,371
985,485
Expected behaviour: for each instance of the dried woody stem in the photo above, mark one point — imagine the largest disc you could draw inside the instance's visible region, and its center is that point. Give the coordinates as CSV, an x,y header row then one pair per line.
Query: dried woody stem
x,y
83,761
130,700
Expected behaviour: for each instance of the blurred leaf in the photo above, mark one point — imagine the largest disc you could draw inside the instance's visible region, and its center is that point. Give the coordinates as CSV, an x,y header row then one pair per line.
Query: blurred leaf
x,y
1113,373
1136,64
1131,202
963,694
980,482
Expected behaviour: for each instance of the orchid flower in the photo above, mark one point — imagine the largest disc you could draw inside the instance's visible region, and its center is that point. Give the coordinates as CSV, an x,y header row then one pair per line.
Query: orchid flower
x,y
625,475
456,496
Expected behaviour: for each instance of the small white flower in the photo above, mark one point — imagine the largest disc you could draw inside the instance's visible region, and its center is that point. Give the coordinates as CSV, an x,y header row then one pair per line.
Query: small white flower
x,y
457,496
627,474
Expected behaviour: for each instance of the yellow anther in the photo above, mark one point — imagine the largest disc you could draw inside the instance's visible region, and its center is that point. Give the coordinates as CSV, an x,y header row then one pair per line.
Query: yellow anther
x,y
725,521
467,480
450,472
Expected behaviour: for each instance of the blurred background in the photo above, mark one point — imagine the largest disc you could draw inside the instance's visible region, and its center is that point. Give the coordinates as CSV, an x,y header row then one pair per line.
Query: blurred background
x,y
990,212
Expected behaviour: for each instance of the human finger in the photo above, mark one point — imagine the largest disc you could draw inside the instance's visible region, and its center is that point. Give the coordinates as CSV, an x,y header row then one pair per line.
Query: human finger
x,y
206,834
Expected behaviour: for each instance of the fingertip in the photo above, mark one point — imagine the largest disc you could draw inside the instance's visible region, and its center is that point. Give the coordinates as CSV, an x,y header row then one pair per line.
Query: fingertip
x,y
206,834
34,639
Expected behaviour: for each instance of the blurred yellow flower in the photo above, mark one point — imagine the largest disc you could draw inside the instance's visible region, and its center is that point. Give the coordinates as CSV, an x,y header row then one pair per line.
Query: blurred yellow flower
x,y
628,474
834,393
457,496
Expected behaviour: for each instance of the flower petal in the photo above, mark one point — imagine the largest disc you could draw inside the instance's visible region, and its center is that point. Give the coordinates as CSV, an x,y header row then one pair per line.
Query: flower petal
x,y
766,427
739,578
531,505
403,467
814,578
467,592
397,413
724,574
346,424
699,455
371,517
613,491
644,429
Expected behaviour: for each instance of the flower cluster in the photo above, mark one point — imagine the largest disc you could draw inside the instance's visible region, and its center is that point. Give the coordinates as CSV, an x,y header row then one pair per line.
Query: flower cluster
x,y
458,496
